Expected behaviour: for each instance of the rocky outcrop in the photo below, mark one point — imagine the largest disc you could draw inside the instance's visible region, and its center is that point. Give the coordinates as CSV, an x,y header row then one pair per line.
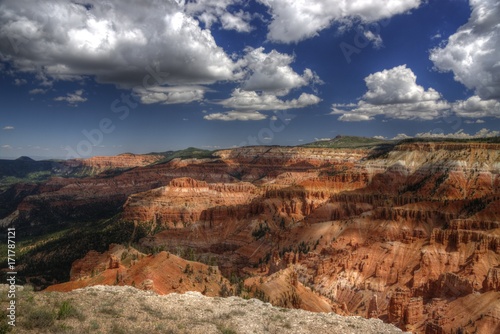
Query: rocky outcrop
x,y
456,238
398,305
492,280
186,201
161,273
99,164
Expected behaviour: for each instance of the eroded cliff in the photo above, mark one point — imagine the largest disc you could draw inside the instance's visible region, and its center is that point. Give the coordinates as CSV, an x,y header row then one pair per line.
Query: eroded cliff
x,y
410,235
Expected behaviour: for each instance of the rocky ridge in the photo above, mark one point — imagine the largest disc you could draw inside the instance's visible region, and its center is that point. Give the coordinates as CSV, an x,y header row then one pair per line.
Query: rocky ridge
x,y
113,309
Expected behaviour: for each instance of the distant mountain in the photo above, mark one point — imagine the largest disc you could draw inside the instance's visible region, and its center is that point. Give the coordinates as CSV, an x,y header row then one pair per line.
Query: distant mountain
x,y
350,142
24,158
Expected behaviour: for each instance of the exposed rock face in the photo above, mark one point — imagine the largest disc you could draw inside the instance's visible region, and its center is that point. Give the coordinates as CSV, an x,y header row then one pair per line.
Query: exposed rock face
x,y
162,273
398,305
186,200
411,236
373,308
96,165
492,280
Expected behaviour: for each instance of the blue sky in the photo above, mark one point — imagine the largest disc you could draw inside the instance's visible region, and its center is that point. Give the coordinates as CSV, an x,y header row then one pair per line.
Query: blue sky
x,y
94,78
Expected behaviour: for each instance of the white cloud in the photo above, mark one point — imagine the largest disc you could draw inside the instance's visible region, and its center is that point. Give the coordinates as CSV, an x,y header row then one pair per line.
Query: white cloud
x,y
20,82
479,121
296,20
322,139
235,116
170,95
128,45
271,72
460,134
400,136
211,11
475,107
38,91
7,147
251,100
380,137
344,105
472,53
374,38
72,98
238,21
394,93
352,117
395,86
8,127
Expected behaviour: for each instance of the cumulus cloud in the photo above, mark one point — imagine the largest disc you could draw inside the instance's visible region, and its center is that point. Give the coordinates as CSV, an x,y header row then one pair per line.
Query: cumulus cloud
x,y
395,86
251,100
72,98
20,82
394,93
246,105
127,45
351,117
296,20
401,136
8,127
235,116
478,121
460,134
472,53
374,38
170,95
271,72
211,11
37,91
476,107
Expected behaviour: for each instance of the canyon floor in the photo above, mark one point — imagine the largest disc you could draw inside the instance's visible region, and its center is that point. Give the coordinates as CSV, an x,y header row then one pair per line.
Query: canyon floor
x,y
407,233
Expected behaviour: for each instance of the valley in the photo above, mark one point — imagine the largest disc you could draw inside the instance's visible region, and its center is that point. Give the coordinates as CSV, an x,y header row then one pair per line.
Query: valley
x,y
407,232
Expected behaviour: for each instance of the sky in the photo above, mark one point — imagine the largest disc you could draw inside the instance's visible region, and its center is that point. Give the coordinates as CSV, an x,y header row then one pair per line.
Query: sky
x,y
80,79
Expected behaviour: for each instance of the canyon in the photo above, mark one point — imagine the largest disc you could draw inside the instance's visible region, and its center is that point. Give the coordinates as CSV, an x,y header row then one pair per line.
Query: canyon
x,y
408,233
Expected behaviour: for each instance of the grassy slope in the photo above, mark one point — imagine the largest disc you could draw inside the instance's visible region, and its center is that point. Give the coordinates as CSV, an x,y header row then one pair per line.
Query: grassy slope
x,y
349,142
188,153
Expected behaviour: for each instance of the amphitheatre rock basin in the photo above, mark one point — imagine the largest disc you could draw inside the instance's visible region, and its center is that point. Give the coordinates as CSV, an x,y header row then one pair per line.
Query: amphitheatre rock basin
x,y
410,235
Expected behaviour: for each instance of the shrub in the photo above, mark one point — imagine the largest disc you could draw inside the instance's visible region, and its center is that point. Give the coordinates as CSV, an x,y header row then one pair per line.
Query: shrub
x,y
4,326
261,231
66,310
38,318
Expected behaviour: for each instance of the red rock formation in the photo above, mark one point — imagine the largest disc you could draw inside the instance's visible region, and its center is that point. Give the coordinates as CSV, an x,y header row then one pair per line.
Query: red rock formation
x,y
414,313
397,305
492,280
162,273
99,164
373,310
417,227
186,200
